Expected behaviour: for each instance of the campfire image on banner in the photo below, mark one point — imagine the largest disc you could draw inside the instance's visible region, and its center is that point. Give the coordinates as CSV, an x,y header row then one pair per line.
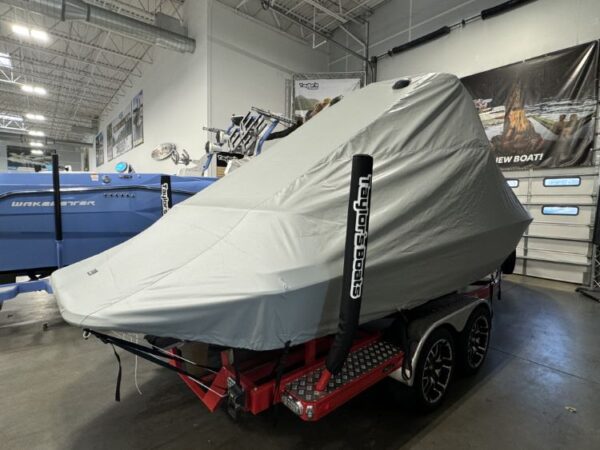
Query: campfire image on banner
x,y
518,133
540,113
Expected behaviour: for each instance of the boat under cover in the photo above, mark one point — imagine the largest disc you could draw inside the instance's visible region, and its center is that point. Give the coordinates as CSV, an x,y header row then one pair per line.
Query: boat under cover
x,y
255,260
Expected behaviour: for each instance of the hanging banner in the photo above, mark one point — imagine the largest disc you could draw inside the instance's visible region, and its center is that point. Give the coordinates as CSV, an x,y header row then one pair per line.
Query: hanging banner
x,y
137,109
99,145
540,112
310,93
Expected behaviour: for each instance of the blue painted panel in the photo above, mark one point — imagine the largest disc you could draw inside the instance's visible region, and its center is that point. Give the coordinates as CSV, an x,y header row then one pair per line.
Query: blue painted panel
x,y
99,212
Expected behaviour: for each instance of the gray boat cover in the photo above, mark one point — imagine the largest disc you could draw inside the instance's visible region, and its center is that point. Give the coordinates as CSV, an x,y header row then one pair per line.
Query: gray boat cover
x,y
255,260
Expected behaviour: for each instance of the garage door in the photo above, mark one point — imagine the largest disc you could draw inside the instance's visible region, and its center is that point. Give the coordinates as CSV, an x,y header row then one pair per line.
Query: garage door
x,y
558,244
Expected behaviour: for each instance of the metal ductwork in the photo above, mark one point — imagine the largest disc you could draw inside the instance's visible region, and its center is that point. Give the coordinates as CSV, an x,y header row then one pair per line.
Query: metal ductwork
x,y
78,10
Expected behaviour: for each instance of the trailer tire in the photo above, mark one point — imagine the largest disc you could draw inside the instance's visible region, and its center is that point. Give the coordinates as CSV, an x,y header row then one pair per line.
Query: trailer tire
x,y
474,341
434,369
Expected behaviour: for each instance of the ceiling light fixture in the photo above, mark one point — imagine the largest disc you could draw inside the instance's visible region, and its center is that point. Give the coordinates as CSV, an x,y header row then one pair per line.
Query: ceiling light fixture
x,y
33,89
20,30
25,32
37,152
31,116
39,35
36,144
36,133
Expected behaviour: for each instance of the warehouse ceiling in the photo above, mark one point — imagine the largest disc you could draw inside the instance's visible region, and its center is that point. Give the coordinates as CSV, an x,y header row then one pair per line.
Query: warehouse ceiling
x,y
300,18
56,77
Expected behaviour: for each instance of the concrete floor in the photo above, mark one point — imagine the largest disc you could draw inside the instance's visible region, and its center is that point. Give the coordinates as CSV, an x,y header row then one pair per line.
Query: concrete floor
x,y
56,391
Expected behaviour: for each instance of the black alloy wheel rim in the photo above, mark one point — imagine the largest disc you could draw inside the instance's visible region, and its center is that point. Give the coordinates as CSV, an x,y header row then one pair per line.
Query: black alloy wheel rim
x,y
437,370
478,340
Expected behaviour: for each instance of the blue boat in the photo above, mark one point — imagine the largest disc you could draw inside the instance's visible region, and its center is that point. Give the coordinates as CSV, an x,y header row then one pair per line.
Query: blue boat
x,y
98,211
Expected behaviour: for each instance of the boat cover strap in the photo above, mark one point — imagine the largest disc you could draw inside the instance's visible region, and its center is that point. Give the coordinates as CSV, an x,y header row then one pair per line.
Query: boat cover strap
x,y
151,354
407,345
279,369
119,374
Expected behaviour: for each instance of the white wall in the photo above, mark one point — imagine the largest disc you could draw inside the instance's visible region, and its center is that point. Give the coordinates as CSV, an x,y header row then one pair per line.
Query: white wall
x,y
531,30
237,64
3,160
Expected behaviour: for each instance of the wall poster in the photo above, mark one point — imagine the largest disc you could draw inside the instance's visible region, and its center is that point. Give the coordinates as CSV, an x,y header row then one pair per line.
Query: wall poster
x,y
540,112
110,143
121,132
99,146
137,108
309,93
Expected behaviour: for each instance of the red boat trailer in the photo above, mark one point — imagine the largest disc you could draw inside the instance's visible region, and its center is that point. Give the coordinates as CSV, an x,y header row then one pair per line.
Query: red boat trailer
x,y
418,347
254,387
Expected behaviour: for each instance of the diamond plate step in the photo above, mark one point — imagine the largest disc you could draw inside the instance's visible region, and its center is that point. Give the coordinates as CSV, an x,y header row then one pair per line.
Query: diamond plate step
x,y
363,367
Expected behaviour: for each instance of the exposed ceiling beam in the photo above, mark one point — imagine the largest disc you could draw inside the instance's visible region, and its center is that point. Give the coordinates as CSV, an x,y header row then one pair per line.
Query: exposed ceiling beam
x,y
364,5
327,36
77,59
66,38
121,86
299,19
327,11
61,119
44,101
54,83
283,31
74,71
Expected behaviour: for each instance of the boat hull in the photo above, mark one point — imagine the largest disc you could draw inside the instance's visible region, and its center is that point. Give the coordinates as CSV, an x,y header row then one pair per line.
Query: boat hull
x,y
99,211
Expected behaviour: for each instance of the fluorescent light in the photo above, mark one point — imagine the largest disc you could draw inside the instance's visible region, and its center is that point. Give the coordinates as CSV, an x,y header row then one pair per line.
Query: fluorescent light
x,y
5,60
11,118
39,35
33,89
23,31
20,30
31,116
36,133
36,144
37,152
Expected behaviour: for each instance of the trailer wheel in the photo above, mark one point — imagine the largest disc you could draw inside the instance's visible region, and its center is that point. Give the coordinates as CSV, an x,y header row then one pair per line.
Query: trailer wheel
x,y
475,340
434,369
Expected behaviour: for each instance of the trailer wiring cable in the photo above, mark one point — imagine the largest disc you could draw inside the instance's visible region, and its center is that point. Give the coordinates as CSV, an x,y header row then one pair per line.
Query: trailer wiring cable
x,y
131,336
